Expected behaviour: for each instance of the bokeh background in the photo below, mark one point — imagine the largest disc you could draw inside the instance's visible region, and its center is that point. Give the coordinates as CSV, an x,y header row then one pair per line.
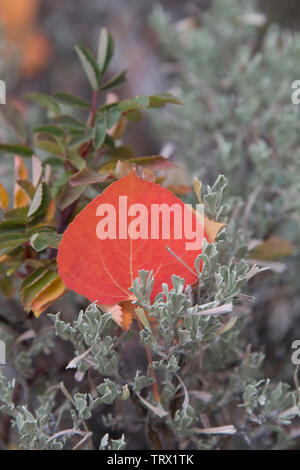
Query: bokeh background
x,y
37,54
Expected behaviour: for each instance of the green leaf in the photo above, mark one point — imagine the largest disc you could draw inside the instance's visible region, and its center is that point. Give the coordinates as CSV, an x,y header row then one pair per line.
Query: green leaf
x,y
32,277
32,290
89,65
48,143
13,225
27,187
82,137
40,200
115,81
14,119
10,241
17,149
105,50
157,101
42,240
69,195
140,102
70,100
112,117
54,162
53,130
43,100
100,132
76,160
70,123
17,213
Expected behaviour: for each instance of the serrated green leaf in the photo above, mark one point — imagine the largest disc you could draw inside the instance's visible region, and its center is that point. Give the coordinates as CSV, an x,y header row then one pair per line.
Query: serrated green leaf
x,y
16,213
105,50
40,200
27,187
41,241
13,225
11,241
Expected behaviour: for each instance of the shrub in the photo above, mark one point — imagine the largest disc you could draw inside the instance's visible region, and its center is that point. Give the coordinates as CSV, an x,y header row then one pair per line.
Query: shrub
x,y
183,375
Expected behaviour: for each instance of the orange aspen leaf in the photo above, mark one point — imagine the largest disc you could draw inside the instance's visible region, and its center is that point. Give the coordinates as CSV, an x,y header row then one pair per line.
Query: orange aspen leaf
x,y
47,296
4,198
20,197
103,270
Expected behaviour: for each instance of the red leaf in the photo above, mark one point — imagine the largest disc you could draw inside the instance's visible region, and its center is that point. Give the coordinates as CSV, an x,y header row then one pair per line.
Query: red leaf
x,y
103,270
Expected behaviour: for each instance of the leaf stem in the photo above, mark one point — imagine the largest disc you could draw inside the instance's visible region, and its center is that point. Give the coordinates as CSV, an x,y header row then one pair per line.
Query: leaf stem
x,y
85,148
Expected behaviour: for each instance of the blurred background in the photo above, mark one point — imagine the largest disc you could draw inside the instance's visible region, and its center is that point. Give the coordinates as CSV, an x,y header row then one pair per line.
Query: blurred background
x,y
38,40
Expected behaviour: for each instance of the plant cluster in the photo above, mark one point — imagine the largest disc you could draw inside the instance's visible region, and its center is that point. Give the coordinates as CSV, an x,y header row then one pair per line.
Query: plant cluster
x,y
184,375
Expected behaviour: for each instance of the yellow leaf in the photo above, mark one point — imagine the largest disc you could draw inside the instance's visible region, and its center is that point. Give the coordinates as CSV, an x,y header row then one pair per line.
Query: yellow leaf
x,y
212,229
197,188
4,198
227,326
50,213
20,197
271,249
47,296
